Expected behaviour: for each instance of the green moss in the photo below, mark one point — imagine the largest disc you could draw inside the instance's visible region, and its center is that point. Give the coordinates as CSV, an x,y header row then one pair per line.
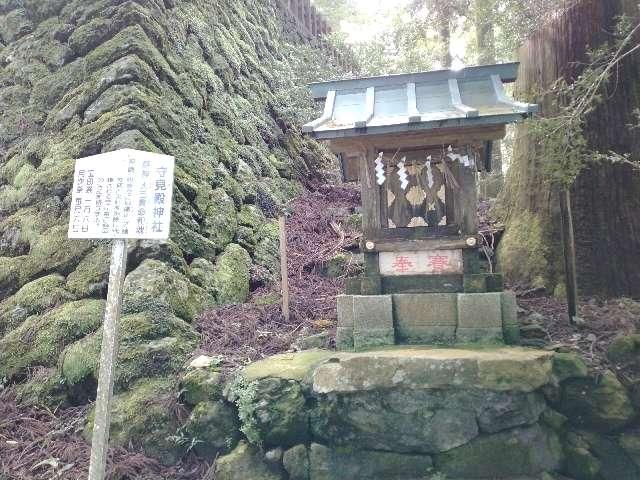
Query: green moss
x,y
157,287
201,385
151,345
524,253
53,252
46,388
142,418
40,339
243,463
231,277
90,277
625,349
568,365
267,250
220,221
213,428
32,299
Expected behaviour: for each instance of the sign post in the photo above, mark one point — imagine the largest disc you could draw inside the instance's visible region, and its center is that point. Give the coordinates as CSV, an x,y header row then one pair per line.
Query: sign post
x,y
118,195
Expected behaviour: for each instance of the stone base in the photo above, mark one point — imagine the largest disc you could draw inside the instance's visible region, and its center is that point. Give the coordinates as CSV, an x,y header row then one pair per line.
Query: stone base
x,y
426,318
401,413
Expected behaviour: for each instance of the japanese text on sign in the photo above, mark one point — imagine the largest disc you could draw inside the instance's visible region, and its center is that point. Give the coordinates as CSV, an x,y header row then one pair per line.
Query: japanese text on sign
x,y
122,194
435,262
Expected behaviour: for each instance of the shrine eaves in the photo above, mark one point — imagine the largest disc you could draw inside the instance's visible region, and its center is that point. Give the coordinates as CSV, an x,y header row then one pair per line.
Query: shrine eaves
x,y
473,96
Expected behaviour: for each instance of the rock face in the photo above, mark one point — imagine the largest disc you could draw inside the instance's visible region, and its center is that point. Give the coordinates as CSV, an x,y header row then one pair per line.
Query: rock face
x,y
400,413
216,85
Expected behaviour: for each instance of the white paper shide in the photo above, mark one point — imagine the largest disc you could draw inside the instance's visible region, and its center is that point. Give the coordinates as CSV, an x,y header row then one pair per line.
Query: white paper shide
x,y
122,194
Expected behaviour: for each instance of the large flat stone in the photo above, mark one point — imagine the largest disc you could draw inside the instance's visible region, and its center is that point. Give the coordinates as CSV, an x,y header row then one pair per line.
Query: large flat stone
x,y
436,309
501,369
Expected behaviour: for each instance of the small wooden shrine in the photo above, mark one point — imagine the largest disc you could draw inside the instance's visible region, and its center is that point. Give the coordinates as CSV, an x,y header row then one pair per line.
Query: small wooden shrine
x,y
416,143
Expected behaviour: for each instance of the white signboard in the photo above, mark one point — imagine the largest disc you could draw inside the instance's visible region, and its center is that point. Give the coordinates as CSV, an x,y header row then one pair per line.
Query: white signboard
x,y
432,262
122,194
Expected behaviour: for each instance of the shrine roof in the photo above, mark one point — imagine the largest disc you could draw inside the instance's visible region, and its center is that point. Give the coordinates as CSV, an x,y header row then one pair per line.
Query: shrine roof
x,y
412,102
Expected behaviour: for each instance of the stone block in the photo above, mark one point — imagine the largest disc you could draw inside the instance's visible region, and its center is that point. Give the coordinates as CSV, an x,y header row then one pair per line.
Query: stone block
x,y
476,283
489,335
426,318
511,334
372,321
480,310
353,286
344,332
495,282
509,309
370,285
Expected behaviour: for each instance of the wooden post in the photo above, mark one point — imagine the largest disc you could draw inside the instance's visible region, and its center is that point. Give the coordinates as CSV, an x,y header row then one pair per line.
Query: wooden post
x,y
108,353
569,249
284,274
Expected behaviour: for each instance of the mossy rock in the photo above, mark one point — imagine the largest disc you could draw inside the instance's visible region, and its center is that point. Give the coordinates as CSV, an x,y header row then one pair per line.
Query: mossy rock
x,y
151,345
343,264
231,276
40,339
598,403
213,428
202,273
34,298
143,418
581,464
568,365
625,349
630,443
155,286
53,252
91,276
243,463
267,249
220,222
531,451
201,385
46,388
10,274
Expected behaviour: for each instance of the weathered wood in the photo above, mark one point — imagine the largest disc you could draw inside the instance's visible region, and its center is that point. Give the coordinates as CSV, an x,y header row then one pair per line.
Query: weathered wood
x,y
383,245
108,355
391,142
284,272
569,249
467,200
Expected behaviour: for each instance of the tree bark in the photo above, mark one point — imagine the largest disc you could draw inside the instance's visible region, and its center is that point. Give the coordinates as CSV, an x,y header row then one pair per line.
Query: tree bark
x,y
606,196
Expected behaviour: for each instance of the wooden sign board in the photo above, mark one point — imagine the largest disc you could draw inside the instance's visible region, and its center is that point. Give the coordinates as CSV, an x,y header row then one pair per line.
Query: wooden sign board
x,y
434,262
122,194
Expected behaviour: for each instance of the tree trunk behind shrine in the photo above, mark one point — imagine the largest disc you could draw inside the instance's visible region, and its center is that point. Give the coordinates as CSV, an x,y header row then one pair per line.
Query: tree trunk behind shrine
x,y
606,197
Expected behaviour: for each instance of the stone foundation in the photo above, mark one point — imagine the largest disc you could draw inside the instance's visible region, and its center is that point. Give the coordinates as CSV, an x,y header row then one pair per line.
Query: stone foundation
x,y
366,321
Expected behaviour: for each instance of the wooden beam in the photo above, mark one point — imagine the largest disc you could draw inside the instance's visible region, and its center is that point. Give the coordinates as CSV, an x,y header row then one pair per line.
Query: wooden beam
x,y
421,244
412,104
456,99
445,136
370,105
502,97
326,115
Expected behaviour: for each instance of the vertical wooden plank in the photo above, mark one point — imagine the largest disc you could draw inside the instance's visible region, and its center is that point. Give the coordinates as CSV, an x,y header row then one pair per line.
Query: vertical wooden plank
x,y
370,206
468,201
569,247
108,354
284,274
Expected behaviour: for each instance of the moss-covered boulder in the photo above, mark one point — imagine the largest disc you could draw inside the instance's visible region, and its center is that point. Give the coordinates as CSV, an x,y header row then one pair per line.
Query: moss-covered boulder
x,y
151,345
33,298
143,418
266,253
201,385
91,276
531,451
568,365
45,388
231,277
155,286
213,428
220,217
39,340
601,403
202,273
625,349
243,463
